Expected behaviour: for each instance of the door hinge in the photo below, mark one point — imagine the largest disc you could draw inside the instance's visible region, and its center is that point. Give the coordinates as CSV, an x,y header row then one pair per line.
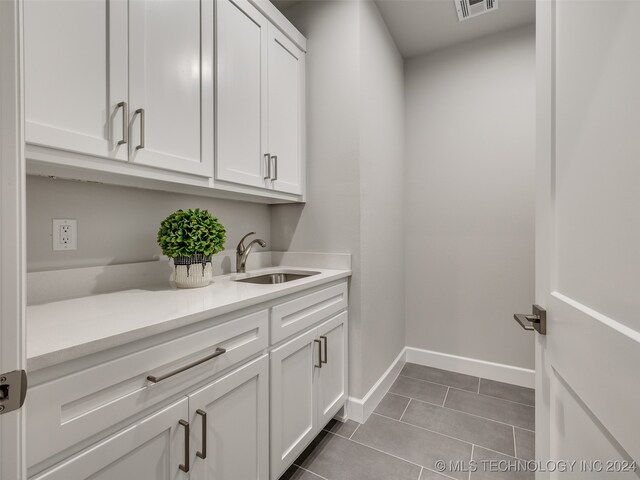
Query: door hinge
x,y
13,390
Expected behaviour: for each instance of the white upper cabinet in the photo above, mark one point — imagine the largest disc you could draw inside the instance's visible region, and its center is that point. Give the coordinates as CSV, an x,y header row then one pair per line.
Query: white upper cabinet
x,y
286,122
260,93
203,93
242,36
128,80
170,89
75,61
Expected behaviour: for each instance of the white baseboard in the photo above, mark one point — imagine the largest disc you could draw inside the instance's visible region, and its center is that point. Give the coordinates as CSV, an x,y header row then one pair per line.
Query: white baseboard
x,y
471,366
359,409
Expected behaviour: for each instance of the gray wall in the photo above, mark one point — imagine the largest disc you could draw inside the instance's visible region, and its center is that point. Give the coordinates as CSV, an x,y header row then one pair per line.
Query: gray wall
x,y
355,143
119,224
382,183
470,113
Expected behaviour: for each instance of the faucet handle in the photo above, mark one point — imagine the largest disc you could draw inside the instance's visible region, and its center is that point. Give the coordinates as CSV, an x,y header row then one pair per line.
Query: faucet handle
x,y
241,246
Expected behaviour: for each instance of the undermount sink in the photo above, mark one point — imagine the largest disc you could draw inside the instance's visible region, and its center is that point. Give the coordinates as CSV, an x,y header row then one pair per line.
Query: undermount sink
x,y
276,277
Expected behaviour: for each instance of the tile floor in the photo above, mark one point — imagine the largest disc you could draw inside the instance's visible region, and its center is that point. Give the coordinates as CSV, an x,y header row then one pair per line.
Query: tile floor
x,y
428,415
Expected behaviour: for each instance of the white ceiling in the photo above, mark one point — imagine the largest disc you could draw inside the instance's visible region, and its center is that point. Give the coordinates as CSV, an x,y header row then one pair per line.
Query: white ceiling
x,y
421,26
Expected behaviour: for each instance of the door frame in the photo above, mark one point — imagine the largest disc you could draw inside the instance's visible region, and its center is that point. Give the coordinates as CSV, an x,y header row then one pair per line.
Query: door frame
x,y
12,231
545,162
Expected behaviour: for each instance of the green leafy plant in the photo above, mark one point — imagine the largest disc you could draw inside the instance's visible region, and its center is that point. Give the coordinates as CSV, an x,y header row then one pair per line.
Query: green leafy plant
x,y
191,232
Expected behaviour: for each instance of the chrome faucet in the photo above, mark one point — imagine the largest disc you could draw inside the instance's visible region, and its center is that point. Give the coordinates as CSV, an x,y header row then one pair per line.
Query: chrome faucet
x,y
242,252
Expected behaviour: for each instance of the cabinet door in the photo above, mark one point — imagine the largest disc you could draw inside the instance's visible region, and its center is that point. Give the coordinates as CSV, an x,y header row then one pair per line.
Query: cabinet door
x,y
75,62
234,413
293,400
151,449
242,36
332,377
286,112
171,84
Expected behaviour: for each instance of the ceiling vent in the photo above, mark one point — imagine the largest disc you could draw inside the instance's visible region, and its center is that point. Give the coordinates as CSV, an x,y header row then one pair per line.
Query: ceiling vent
x,y
472,8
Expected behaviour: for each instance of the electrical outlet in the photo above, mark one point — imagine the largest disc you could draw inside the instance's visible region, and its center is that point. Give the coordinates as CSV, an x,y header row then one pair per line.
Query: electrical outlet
x,y
65,234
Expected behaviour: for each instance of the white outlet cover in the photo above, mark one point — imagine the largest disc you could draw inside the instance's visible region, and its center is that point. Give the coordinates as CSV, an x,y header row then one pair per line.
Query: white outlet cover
x,y
56,233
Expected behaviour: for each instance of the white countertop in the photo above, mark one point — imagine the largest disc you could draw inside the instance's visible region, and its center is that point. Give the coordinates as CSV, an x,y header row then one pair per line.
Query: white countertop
x,y
68,329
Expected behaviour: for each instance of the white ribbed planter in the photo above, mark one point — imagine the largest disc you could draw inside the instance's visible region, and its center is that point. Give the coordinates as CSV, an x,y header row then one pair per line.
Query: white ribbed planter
x,y
193,272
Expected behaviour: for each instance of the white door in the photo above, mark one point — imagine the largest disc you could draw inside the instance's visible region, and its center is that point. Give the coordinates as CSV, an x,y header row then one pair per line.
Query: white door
x,y
150,449
286,113
76,75
230,425
588,236
293,399
241,119
12,234
332,377
171,84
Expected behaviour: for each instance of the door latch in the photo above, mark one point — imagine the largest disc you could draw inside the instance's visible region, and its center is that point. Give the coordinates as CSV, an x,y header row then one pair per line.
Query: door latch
x,y
13,390
536,321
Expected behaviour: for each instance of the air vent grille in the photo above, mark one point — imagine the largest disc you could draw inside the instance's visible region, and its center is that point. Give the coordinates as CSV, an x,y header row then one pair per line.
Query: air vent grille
x,y
465,8
472,8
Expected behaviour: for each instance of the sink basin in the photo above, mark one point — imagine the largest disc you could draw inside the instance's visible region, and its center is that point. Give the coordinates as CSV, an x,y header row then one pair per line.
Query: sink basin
x,y
276,277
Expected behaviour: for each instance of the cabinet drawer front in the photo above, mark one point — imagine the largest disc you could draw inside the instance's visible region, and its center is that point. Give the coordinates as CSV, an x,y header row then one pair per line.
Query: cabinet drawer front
x,y
292,317
80,405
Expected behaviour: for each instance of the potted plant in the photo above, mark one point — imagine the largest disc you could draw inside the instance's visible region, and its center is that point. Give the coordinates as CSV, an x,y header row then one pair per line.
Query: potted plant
x,y
190,238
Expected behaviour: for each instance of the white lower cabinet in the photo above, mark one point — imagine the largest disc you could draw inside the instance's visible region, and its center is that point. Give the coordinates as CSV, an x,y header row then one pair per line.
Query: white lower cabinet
x,y
308,387
230,425
332,377
150,449
244,414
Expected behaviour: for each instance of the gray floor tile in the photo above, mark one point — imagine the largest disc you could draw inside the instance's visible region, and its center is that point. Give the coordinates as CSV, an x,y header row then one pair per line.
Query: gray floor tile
x,y
392,406
419,389
492,408
506,391
490,466
443,377
295,473
525,444
344,429
336,458
429,475
412,443
480,431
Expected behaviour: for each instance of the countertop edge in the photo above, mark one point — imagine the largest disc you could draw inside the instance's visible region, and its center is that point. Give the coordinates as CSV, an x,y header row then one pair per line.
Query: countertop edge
x,y
75,352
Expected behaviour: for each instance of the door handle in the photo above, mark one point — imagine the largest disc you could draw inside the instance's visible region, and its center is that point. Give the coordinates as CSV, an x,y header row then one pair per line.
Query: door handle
x,y
203,453
319,343
274,160
155,379
535,321
322,337
140,112
185,466
267,167
125,121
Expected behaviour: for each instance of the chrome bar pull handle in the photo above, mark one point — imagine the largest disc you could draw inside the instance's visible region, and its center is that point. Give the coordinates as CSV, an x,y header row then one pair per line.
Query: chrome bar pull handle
x,y
156,379
274,160
267,167
203,453
140,112
185,466
325,349
125,123
319,365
